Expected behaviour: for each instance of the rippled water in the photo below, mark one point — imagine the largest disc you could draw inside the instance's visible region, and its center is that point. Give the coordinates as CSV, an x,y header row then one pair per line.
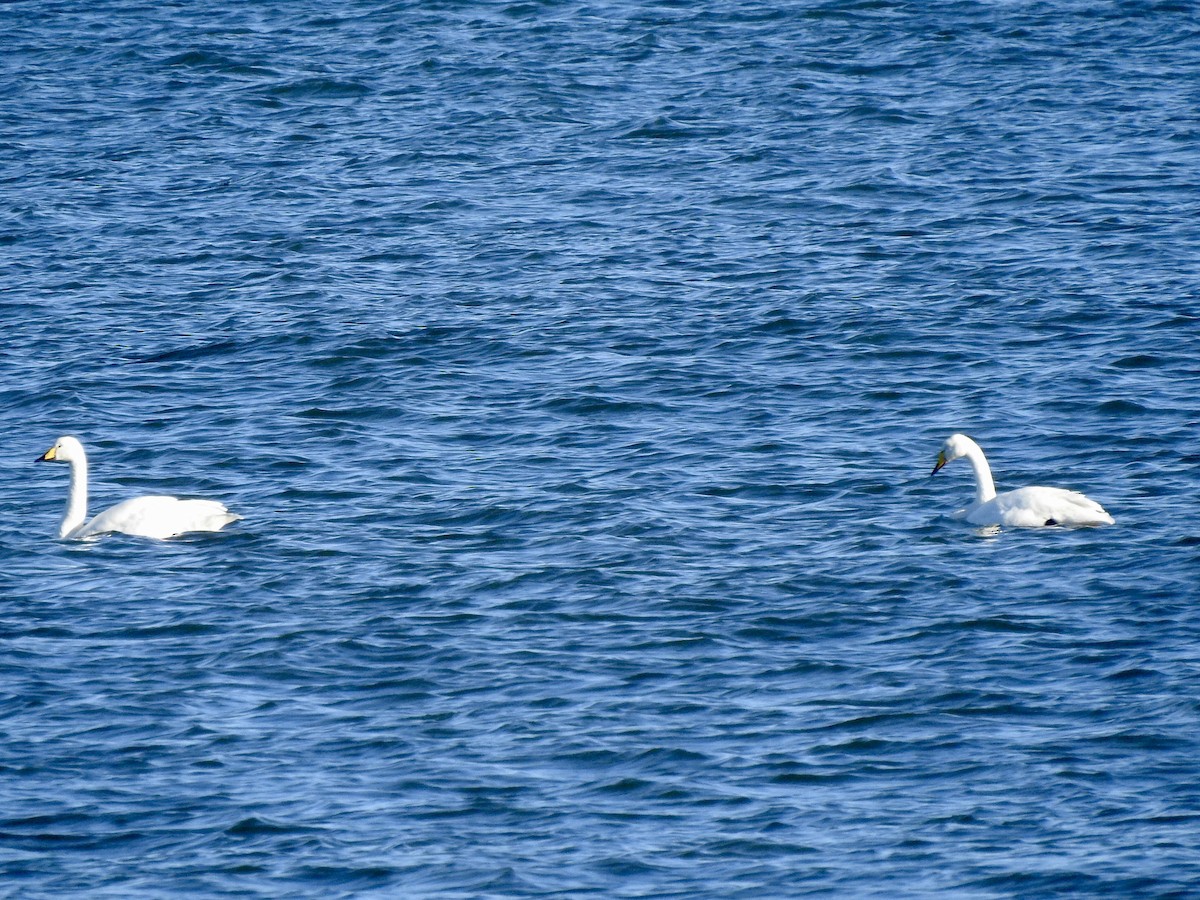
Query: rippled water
x,y
578,369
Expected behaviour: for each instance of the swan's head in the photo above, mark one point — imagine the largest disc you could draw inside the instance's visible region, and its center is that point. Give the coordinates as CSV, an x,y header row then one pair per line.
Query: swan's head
x,y
65,449
956,445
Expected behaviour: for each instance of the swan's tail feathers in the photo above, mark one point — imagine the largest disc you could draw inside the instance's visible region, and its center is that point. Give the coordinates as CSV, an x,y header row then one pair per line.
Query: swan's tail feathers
x,y
206,515
224,517
1081,510
1088,511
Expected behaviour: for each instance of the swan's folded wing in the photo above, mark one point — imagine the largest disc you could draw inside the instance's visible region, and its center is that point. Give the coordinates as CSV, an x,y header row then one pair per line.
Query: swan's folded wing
x,y
158,517
1033,507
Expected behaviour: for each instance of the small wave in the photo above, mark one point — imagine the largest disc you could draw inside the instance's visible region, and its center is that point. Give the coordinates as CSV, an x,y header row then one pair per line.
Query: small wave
x,y
209,61
1139,361
319,89
192,351
1121,408
254,825
663,128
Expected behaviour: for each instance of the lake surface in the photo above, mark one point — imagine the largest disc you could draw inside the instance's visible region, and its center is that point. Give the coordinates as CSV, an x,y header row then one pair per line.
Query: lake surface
x,y
578,369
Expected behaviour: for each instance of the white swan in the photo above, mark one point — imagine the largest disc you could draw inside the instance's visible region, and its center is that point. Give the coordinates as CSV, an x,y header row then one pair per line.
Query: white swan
x,y
153,517
1030,507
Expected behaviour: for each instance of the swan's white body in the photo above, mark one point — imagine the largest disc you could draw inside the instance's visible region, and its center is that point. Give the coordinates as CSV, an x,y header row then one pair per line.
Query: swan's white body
x,y
151,516
1030,507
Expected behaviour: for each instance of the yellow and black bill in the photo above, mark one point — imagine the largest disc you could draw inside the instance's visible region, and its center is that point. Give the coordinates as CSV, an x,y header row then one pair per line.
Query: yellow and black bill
x,y
941,461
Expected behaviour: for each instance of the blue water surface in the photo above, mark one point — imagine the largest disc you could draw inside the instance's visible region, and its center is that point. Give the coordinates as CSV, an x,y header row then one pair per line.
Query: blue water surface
x,y
578,368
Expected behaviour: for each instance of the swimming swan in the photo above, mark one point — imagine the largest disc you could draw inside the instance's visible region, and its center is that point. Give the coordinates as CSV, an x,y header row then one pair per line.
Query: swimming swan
x,y
1030,507
153,517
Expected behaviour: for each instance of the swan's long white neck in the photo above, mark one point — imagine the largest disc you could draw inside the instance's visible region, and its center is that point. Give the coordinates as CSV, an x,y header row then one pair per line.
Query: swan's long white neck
x,y
985,488
77,501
